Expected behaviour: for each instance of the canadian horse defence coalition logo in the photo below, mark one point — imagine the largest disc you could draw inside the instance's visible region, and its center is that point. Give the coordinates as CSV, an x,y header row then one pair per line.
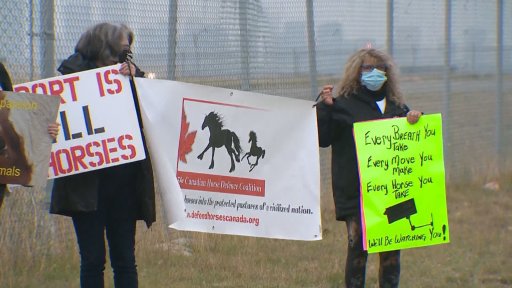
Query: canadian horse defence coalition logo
x,y
226,142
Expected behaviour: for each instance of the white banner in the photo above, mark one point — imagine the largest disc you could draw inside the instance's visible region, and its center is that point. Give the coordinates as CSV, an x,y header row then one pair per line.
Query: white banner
x,y
99,126
234,162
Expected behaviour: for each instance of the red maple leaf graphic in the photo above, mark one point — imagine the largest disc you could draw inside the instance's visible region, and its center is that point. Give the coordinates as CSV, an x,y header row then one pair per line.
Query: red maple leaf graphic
x,y
186,139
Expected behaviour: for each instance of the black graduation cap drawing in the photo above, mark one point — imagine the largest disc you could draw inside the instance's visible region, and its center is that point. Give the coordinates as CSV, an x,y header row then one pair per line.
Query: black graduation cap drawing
x,y
403,210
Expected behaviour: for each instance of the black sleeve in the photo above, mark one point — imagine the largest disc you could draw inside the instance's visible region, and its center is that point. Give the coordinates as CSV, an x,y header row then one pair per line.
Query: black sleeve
x,y
332,121
5,79
138,72
324,123
405,110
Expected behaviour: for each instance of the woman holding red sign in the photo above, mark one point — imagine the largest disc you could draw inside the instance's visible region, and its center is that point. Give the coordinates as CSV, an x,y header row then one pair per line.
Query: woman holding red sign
x,y
112,199
368,90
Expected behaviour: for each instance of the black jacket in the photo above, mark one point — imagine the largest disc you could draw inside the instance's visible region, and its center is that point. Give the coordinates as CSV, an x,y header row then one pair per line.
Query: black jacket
x,y
78,193
5,79
335,129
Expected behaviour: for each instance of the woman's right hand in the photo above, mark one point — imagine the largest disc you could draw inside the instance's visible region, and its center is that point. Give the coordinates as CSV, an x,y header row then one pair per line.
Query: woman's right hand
x,y
53,130
127,70
327,94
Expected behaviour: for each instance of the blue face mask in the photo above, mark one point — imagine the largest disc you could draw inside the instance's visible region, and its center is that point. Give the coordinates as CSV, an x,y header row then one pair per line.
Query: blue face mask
x,y
374,79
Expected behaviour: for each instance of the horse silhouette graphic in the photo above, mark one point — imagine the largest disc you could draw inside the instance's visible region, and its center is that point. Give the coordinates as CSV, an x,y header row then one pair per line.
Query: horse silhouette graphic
x,y
220,137
254,151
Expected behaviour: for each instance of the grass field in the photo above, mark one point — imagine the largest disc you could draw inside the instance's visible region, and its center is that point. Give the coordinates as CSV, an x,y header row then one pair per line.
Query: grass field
x,y
39,250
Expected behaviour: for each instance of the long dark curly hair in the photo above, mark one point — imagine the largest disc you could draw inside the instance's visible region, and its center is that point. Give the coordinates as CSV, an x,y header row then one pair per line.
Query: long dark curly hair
x,y
350,82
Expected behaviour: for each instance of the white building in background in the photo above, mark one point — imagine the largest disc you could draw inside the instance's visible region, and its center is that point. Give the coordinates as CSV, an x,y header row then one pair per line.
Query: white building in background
x,y
213,40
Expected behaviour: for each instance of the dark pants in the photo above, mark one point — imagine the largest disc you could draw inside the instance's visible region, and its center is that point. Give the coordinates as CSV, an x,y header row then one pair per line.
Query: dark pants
x,y
3,192
90,229
2,195
355,267
116,216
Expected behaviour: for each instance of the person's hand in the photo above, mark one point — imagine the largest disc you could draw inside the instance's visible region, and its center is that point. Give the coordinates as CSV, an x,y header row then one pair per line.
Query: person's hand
x,y
326,95
125,69
413,116
53,130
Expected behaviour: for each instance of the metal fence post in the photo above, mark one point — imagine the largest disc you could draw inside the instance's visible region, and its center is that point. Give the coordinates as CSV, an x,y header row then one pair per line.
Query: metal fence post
x,y
244,46
311,48
173,22
390,26
47,39
447,63
31,38
499,83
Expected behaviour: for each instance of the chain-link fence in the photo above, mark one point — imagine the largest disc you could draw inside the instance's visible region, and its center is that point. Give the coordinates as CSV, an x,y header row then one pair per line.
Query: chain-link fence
x,y
454,55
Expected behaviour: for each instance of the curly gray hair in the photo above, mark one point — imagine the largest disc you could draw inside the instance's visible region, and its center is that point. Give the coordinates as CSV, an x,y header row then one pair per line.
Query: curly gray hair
x,y
102,42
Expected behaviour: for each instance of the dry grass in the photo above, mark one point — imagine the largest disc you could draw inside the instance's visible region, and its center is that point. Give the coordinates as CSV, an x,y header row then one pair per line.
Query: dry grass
x,y
38,250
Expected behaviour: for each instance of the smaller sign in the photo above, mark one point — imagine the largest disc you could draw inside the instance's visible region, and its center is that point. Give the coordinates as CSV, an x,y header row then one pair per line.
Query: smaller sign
x,y
403,195
24,140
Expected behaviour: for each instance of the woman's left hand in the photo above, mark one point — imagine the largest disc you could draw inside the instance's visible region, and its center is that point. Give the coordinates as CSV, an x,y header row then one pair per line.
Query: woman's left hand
x,y
413,116
53,130
125,69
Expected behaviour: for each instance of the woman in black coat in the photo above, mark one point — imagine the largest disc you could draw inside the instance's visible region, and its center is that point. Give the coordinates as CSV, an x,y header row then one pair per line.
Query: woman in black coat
x,y
110,199
368,90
